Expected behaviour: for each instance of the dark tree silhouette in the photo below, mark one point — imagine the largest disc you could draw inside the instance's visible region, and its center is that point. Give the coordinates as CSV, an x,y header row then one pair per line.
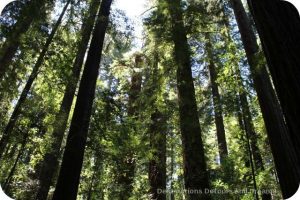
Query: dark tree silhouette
x,y
278,25
50,162
284,156
68,179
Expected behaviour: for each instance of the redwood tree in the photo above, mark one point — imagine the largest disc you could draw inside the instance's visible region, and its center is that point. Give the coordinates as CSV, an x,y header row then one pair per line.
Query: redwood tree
x,y
279,135
31,11
218,110
158,138
69,175
157,165
278,25
33,75
50,162
195,168
127,161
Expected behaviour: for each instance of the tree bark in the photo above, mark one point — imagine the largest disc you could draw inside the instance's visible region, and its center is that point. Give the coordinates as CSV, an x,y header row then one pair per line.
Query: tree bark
x,y
157,165
278,25
172,163
241,138
16,112
252,157
256,160
285,157
126,169
245,108
195,169
218,110
135,89
29,13
13,169
157,132
246,143
250,130
50,162
94,192
69,175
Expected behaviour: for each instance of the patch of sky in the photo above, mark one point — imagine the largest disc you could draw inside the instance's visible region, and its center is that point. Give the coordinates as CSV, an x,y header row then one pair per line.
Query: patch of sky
x,y
135,10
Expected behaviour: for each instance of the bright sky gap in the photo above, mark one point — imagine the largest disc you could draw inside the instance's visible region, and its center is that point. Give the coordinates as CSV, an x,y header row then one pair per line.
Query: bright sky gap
x,y
134,10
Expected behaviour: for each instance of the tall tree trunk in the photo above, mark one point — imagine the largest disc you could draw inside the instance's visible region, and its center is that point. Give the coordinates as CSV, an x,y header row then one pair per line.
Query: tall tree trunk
x,y
172,195
15,114
195,169
285,157
97,171
127,169
246,143
256,161
218,110
241,138
13,169
242,98
157,165
90,191
157,132
278,25
246,117
69,175
252,157
135,89
249,128
50,162
29,13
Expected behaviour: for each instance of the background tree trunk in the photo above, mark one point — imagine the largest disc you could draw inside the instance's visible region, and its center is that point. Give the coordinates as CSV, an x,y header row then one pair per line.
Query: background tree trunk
x,y
126,171
172,163
218,110
30,11
13,169
157,166
15,114
158,138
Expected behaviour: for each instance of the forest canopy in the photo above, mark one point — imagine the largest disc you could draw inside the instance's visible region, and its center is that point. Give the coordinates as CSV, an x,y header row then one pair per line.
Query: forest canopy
x,y
188,99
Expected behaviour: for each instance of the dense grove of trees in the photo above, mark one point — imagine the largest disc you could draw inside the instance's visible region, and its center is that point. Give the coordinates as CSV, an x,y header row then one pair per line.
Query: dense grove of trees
x,y
206,108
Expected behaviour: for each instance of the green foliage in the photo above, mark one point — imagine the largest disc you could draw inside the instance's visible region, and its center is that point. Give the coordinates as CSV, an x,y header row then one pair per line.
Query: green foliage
x,y
115,135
